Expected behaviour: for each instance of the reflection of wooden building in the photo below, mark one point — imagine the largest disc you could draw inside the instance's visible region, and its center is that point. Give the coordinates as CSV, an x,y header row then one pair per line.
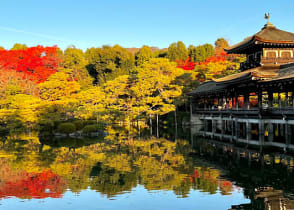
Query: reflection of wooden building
x,y
255,106
272,200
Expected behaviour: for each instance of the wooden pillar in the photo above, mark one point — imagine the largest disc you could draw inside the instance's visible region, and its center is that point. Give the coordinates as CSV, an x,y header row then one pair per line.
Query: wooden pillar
x,y
270,132
287,134
246,100
261,132
236,101
222,128
279,100
237,154
293,99
205,127
270,99
249,159
248,131
205,103
232,129
259,94
213,127
236,129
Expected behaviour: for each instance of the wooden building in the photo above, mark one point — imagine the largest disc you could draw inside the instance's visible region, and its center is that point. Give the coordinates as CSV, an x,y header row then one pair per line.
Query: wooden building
x,y
255,106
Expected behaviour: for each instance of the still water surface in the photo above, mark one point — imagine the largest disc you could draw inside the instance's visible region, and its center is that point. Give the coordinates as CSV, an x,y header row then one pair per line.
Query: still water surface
x,y
162,173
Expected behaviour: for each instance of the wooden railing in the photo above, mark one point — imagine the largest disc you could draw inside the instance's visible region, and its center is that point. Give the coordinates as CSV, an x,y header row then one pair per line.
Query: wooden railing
x,y
265,60
252,110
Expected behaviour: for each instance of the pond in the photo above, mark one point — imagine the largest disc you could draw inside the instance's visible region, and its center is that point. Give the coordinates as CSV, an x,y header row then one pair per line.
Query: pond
x,y
116,172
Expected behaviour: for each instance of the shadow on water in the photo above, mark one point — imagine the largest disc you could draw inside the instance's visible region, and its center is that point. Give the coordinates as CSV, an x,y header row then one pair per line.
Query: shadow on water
x,y
69,142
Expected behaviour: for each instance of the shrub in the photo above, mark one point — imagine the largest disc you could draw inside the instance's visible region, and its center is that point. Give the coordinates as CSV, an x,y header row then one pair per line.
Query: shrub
x,y
46,125
3,130
66,128
92,128
79,124
57,123
90,122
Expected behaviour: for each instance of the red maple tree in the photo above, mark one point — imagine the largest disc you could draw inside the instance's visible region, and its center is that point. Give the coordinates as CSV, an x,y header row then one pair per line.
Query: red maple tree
x,y
36,63
189,65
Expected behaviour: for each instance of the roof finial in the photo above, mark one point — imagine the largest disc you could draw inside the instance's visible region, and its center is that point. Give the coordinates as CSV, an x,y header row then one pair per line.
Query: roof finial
x,y
267,16
268,24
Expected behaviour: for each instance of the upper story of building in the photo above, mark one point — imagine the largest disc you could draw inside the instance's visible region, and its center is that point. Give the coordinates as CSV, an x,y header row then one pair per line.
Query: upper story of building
x,y
270,46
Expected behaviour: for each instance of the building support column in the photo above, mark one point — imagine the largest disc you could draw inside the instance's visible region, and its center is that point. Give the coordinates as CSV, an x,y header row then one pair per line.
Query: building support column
x,y
287,134
293,99
246,100
259,98
205,103
270,99
237,129
261,133
204,127
222,128
248,131
279,100
236,101
213,127
270,132
232,130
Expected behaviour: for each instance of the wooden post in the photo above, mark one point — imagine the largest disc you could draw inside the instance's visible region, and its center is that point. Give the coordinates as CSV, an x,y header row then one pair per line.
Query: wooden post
x,y
236,101
261,133
222,127
279,100
205,127
248,129
270,132
260,99
293,99
232,134
213,124
205,103
287,136
270,99
246,100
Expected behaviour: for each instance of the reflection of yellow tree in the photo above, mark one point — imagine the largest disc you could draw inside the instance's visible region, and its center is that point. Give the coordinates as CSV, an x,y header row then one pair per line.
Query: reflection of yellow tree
x,y
113,167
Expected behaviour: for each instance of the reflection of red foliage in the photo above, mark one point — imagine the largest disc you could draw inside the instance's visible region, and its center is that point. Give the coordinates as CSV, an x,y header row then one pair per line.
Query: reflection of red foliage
x,y
188,65
196,174
226,183
37,63
34,185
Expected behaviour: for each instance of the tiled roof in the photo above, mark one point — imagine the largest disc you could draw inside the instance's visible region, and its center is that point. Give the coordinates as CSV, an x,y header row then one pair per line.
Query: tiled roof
x,y
259,74
268,34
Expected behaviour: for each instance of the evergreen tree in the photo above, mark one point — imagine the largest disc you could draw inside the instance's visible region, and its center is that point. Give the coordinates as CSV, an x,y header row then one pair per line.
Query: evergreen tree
x,y
177,51
144,54
201,52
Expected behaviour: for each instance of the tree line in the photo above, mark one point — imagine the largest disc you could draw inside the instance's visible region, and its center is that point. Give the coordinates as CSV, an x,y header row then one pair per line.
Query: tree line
x,y
41,86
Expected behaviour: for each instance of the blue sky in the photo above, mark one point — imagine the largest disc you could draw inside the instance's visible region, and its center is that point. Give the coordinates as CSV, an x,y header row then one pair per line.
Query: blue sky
x,y
133,23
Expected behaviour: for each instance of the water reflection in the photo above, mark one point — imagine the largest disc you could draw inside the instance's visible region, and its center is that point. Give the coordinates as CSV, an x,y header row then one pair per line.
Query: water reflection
x,y
265,177
34,167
